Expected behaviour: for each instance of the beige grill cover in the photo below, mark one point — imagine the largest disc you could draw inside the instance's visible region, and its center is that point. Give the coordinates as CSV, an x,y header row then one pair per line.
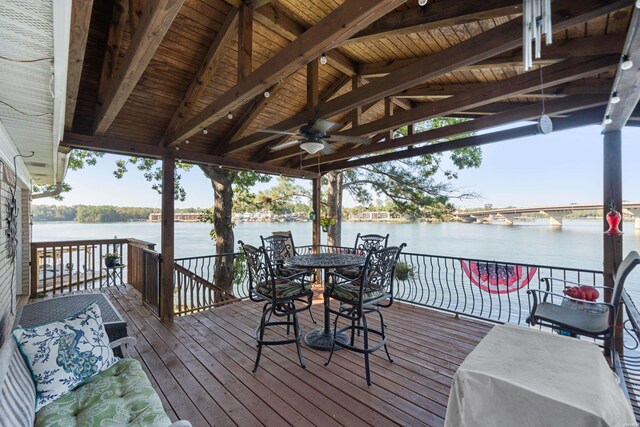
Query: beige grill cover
x,y
525,377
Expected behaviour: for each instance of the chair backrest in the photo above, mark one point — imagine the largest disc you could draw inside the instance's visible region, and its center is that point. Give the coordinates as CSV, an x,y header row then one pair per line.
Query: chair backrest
x,y
259,265
365,242
279,246
625,267
379,268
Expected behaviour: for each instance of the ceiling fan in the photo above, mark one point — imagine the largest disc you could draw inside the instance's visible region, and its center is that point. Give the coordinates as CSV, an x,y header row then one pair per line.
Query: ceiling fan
x,y
313,137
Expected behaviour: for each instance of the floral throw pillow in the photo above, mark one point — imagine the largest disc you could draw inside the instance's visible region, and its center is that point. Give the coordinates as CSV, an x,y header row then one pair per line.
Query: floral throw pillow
x,y
63,355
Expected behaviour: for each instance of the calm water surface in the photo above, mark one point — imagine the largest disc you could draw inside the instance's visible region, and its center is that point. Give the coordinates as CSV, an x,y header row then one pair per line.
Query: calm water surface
x,y
577,244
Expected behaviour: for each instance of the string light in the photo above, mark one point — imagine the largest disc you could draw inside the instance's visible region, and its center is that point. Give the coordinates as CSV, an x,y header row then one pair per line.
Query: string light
x,y
205,131
323,58
422,2
626,63
607,120
187,141
177,148
266,94
615,98
229,115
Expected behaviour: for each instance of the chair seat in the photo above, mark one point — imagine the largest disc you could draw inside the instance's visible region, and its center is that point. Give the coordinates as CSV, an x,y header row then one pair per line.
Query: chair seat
x,y
285,289
585,321
350,272
350,292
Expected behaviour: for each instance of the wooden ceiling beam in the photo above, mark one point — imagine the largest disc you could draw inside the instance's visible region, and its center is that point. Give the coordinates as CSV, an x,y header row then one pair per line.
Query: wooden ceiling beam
x,y
80,21
560,49
589,117
206,71
117,28
434,15
627,82
121,146
277,20
337,26
156,20
562,105
562,72
490,43
244,121
245,42
136,7
593,85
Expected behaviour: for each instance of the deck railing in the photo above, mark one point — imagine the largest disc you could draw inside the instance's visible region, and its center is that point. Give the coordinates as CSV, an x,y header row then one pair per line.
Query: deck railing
x,y
68,266
484,289
195,287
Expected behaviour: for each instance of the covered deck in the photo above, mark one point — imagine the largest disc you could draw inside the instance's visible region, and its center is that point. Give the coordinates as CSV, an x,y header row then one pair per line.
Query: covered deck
x,y
201,364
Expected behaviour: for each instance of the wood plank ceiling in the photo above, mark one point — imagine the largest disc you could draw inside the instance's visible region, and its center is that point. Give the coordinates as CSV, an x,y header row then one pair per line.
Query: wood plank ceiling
x,y
149,94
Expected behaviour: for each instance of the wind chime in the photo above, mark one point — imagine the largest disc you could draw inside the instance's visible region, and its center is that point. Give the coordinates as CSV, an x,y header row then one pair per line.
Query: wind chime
x,y
536,20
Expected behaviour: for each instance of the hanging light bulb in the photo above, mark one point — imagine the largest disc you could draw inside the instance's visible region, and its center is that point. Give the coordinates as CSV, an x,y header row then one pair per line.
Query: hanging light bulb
x,y
626,62
607,120
229,115
266,94
177,148
187,141
323,58
422,2
205,131
615,98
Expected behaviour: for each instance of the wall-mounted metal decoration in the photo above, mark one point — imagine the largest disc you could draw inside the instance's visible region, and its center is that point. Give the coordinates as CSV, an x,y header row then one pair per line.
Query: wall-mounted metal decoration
x,y
12,224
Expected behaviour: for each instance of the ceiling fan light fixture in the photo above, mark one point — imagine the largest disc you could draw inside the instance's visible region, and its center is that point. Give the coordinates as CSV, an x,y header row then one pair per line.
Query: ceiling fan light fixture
x,y
422,2
311,147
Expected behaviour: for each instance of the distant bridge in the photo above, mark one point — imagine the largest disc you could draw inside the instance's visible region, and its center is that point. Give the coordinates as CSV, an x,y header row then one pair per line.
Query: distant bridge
x,y
555,213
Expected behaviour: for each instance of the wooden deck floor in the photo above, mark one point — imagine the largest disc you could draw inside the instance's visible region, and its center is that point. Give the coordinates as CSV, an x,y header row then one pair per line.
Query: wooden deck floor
x,y
201,367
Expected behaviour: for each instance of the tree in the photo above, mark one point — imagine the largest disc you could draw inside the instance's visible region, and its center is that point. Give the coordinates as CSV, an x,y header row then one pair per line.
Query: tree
x,y
410,185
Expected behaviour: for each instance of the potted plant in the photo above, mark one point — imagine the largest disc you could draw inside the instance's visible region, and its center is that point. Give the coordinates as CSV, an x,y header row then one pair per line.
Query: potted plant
x,y
403,271
112,259
326,222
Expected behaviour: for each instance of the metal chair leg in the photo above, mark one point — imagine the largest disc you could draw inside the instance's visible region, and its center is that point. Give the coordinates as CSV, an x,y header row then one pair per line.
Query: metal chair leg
x,y
296,332
333,343
384,336
288,323
365,334
262,326
312,318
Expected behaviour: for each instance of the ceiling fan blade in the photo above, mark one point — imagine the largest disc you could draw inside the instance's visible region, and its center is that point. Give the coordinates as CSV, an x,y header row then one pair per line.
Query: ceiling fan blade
x,y
285,145
322,126
328,149
349,139
280,132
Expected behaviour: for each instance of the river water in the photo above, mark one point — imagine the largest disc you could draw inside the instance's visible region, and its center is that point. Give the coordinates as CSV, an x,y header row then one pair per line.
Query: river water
x,y
577,244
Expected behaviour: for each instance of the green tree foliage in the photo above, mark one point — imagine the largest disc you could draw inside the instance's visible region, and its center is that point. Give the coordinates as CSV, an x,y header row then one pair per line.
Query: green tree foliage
x,y
411,185
152,170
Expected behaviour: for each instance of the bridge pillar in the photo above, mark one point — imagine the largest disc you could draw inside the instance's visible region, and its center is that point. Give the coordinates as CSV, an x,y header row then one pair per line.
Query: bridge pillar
x,y
508,218
555,218
479,219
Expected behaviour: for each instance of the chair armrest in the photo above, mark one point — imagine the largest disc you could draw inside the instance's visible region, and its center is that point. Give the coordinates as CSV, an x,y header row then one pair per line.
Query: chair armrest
x,y
342,279
123,342
302,275
181,423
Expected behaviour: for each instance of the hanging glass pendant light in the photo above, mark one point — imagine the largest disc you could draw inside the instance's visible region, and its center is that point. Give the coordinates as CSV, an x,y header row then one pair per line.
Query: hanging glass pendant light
x,y
536,22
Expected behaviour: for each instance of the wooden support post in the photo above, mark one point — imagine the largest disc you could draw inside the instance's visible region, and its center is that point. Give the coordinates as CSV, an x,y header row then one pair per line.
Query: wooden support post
x,y
166,281
317,184
245,42
388,112
612,194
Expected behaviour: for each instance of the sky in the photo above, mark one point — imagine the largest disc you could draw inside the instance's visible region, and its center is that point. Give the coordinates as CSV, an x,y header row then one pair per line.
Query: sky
x,y
555,169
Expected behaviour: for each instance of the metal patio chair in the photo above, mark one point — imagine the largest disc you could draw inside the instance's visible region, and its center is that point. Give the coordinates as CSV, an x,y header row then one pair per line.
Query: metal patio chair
x,y
279,247
592,319
367,293
364,242
281,296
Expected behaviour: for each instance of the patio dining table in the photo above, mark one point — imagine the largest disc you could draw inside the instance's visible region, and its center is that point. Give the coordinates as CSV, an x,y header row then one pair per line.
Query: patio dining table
x,y
322,338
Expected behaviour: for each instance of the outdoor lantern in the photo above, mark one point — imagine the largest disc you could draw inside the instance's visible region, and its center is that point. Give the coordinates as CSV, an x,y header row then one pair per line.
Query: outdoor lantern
x,y
613,219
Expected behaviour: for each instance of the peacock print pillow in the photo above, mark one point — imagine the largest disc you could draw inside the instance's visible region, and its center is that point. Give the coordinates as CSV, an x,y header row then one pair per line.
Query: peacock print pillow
x,y
63,355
